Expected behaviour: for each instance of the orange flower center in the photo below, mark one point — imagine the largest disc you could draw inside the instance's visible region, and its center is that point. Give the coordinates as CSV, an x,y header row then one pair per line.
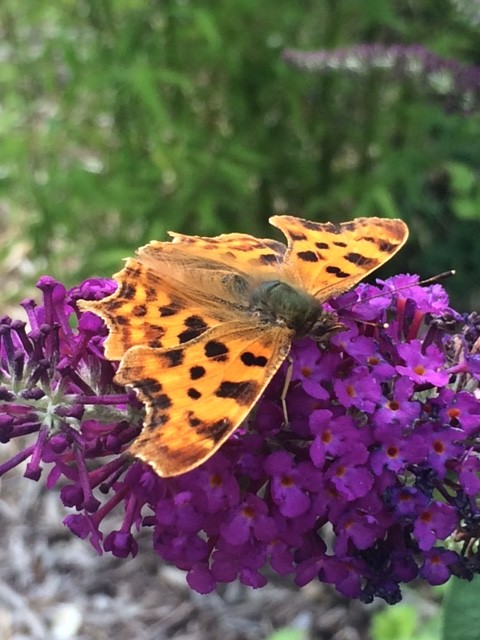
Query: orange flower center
x,y
248,512
453,413
438,446
326,437
287,481
215,480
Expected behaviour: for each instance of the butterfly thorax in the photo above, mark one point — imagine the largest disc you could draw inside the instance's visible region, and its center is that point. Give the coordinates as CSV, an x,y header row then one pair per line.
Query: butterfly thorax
x,y
276,302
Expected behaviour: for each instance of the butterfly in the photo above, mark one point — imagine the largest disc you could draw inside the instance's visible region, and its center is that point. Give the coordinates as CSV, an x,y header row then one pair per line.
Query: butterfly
x,y
201,324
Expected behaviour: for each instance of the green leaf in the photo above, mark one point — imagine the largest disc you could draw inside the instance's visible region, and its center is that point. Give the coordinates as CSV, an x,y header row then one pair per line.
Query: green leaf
x,y
395,623
288,633
461,614
467,208
462,177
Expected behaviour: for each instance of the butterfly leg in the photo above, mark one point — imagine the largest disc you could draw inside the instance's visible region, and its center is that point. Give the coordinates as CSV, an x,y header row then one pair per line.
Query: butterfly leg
x,y
286,384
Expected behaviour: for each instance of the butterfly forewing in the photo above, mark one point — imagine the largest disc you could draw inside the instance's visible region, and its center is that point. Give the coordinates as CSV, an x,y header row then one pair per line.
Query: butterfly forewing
x,y
147,309
167,296
238,250
326,259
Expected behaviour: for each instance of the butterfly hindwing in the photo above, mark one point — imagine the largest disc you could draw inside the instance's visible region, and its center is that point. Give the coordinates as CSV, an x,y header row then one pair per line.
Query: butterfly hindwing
x,y
197,394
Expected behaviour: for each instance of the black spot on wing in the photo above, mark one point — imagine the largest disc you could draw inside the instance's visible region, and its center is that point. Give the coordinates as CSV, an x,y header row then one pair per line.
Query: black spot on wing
x,y
297,236
149,386
195,326
150,294
133,272
197,372
139,310
161,401
249,359
216,350
194,394
308,256
243,392
328,227
169,309
193,420
268,258
361,261
127,291
386,246
215,430
212,430
323,245
339,243
114,305
173,358
337,272
196,322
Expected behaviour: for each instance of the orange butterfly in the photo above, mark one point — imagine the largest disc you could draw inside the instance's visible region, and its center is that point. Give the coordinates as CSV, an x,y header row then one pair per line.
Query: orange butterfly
x,y
202,324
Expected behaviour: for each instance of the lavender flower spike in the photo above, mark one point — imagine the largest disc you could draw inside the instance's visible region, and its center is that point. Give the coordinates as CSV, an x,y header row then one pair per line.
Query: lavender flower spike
x,y
445,76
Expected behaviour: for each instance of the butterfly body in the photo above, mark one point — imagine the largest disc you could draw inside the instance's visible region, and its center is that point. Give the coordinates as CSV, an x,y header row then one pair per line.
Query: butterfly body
x,y
278,302
201,325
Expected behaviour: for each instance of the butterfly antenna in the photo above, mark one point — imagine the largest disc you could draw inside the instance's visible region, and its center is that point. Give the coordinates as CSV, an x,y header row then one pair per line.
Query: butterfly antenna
x,y
440,276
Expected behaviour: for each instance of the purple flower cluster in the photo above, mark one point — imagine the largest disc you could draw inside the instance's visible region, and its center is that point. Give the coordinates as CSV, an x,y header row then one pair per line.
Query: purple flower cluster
x,y
372,483
55,382
458,84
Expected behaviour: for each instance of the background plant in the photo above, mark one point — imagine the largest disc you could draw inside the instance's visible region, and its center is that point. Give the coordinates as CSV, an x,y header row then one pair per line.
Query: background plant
x,y
123,119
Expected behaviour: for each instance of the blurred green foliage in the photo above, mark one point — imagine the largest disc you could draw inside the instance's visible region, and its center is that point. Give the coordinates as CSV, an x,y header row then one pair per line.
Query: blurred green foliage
x,y
405,622
122,119
461,613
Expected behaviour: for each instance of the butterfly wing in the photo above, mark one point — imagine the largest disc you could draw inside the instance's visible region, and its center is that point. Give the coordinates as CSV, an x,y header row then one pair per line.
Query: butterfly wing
x,y
166,297
197,394
326,259
180,323
238,250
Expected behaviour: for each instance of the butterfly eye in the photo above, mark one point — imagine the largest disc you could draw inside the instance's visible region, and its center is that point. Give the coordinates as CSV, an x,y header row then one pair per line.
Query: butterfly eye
x,y
325,327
